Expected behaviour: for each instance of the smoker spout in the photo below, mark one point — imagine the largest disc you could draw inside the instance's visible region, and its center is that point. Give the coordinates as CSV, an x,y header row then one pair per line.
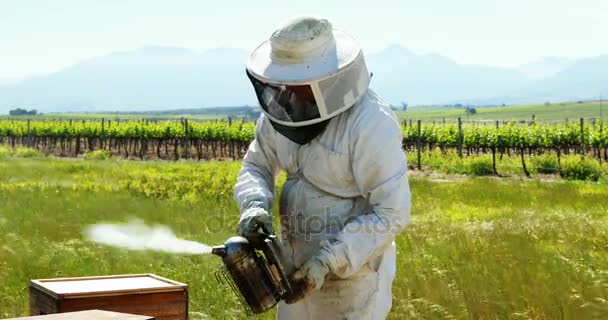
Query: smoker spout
x,y
219,251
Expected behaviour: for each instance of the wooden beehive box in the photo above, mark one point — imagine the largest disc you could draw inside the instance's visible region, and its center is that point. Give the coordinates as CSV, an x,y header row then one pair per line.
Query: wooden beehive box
x,y
87,315
141,294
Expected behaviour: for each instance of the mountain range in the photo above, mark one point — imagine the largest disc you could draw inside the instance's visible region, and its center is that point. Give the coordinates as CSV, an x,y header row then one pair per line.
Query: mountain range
x,y
157,77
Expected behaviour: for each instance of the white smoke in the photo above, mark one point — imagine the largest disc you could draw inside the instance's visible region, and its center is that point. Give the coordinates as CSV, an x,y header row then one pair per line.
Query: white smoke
x,y
136,235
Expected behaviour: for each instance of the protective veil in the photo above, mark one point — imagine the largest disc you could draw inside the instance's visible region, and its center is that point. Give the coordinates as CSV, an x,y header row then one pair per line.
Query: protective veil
x,y
307,73
346,197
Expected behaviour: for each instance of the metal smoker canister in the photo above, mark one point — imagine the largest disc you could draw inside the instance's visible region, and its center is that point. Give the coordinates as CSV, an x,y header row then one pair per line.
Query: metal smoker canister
x,y
248,274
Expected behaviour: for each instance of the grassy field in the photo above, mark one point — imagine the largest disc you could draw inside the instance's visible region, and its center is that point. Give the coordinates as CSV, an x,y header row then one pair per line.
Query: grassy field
x,y
554,111
477,248
572,166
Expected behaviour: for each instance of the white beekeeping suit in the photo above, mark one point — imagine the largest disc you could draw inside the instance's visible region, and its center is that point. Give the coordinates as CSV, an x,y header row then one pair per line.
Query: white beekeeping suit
x,y
347,194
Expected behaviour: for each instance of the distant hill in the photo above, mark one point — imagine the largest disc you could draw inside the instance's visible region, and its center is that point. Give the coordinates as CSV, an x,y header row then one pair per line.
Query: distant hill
x,y
146,79
8,82
159,78
583,79
400,75
545,68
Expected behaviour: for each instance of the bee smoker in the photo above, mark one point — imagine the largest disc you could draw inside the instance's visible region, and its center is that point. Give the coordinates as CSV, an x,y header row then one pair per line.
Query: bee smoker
x,y
256,271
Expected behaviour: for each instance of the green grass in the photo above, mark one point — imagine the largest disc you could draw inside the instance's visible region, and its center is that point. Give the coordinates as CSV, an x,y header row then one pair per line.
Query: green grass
x,y
477,248
573,166
21,152
554,111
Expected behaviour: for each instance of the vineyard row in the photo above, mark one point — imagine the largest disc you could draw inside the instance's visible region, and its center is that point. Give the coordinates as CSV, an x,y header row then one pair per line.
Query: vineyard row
x,y
224,139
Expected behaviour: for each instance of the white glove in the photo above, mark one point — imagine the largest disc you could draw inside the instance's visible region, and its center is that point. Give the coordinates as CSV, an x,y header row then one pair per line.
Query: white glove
x,y
308,278
252,220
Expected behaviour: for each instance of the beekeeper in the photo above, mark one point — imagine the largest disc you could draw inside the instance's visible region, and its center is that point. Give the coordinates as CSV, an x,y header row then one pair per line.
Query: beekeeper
x,y
347,193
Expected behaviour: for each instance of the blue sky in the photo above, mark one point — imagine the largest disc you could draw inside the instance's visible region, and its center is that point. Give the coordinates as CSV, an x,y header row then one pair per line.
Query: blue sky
x,y
42,36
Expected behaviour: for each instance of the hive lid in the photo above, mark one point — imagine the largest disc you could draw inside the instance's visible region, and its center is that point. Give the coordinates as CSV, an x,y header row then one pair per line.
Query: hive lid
x,y
106,285
88,314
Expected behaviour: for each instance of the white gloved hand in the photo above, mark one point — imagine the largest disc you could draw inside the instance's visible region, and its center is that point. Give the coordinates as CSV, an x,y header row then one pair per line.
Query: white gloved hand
x,y
308,278
252,220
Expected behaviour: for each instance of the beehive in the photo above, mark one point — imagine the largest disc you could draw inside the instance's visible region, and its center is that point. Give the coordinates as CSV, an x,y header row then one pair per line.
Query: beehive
x,y
87,315
140,294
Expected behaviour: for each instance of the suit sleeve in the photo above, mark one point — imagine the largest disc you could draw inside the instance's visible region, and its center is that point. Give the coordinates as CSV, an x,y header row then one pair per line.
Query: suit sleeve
x,y
254,188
